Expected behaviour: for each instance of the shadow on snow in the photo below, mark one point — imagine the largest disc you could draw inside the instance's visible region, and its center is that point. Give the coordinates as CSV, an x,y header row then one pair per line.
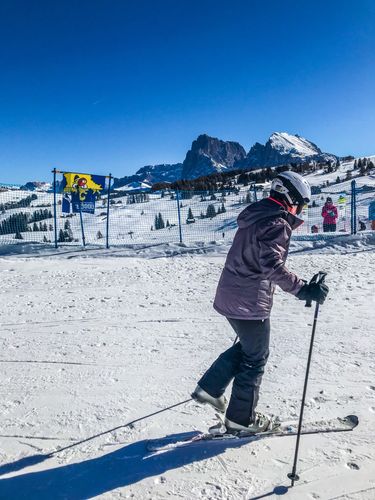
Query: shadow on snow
x,y
90,478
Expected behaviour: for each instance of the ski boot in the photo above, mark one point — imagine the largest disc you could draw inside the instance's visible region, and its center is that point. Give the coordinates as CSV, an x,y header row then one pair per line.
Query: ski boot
x,y
262,423
201,396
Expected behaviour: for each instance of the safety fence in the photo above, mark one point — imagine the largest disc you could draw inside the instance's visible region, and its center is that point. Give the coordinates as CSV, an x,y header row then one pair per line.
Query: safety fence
x,y
123,218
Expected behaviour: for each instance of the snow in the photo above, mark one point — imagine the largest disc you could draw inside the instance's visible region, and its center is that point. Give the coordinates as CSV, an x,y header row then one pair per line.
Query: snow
x,y
288,144
135,186
94,339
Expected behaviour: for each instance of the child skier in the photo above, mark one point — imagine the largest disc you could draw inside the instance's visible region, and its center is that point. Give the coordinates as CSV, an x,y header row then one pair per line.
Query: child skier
x,y
254,265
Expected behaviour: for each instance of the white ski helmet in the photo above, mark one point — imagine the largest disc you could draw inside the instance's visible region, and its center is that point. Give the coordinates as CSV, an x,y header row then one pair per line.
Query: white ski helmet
x,y
293,187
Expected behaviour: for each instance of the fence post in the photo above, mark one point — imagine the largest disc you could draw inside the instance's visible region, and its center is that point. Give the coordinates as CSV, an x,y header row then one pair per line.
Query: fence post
x,y
179,214
354,208
54,205
255,193
108,199
81,220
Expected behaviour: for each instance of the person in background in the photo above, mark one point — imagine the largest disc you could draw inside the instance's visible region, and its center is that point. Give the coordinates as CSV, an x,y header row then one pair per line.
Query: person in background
x,y
330,215
362,225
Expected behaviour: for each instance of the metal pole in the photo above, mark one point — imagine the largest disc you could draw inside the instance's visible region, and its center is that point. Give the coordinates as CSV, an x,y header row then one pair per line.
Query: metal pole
x,y
179,214
351,210
108,199
54,205
354,202
81,219
319,278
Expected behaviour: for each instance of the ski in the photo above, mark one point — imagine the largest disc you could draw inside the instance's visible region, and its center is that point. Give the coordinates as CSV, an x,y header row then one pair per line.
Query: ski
x,y
217,433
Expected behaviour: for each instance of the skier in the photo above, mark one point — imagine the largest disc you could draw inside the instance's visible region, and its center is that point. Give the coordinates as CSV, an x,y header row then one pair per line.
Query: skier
x,y
254,265
329,214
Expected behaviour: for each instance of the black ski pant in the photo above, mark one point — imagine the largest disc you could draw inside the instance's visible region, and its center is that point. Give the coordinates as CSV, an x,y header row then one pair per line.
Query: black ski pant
x,y
244,362
329,228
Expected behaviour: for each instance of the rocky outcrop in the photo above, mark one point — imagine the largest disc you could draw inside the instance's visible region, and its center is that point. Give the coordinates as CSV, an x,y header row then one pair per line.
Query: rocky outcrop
x,y
209,155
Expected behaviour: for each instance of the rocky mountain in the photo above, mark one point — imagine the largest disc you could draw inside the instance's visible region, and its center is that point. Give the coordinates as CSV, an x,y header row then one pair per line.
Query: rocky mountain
x,y
283,148
37,186
208,155
150,174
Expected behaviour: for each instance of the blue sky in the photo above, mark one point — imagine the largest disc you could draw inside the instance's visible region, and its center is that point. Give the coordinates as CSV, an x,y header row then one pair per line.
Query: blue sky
x,y
112,85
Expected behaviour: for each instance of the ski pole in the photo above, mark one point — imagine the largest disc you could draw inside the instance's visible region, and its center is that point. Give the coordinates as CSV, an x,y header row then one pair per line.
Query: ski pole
x,y
293,476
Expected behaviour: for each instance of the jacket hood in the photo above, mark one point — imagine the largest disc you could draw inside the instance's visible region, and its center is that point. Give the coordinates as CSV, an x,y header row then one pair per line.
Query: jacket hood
x,y
264,209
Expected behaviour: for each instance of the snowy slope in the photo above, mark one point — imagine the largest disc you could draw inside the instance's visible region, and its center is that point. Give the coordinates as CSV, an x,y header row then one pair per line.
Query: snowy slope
x,y
89,344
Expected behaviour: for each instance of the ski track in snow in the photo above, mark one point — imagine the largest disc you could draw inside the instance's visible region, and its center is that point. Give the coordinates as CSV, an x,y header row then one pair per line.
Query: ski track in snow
x,y
92,343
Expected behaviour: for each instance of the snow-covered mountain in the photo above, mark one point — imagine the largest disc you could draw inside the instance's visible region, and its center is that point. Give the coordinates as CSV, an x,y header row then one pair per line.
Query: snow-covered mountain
x,y
150,174
283,148
37,186
209,155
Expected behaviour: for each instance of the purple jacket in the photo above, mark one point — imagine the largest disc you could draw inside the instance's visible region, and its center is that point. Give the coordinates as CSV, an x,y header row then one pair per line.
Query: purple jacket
x,y
256,262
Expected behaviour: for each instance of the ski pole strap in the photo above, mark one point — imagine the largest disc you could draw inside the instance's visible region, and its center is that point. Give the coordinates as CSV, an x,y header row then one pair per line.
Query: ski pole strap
x,y
318,278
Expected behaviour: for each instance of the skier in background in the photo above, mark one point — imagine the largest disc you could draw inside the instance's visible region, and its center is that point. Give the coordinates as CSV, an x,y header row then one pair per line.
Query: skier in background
x,y
254,265
330,215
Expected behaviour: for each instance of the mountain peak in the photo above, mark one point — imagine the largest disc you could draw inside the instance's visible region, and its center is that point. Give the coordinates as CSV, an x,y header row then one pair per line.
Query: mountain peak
x,y
209,155
283,148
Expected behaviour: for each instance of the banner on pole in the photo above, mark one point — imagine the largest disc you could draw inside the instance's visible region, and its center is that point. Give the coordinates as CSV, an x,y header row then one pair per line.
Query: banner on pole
x,y
79,191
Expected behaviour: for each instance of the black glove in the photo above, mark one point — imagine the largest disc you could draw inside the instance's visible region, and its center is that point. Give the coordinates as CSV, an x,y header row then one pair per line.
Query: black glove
x,y
313,291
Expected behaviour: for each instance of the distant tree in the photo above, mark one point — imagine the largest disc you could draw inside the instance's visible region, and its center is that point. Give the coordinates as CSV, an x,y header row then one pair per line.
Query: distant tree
x,y
363,168
18,236
61,238
159,222
99,235
213,197
348,175
338,180
211,212
35,227
190,218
